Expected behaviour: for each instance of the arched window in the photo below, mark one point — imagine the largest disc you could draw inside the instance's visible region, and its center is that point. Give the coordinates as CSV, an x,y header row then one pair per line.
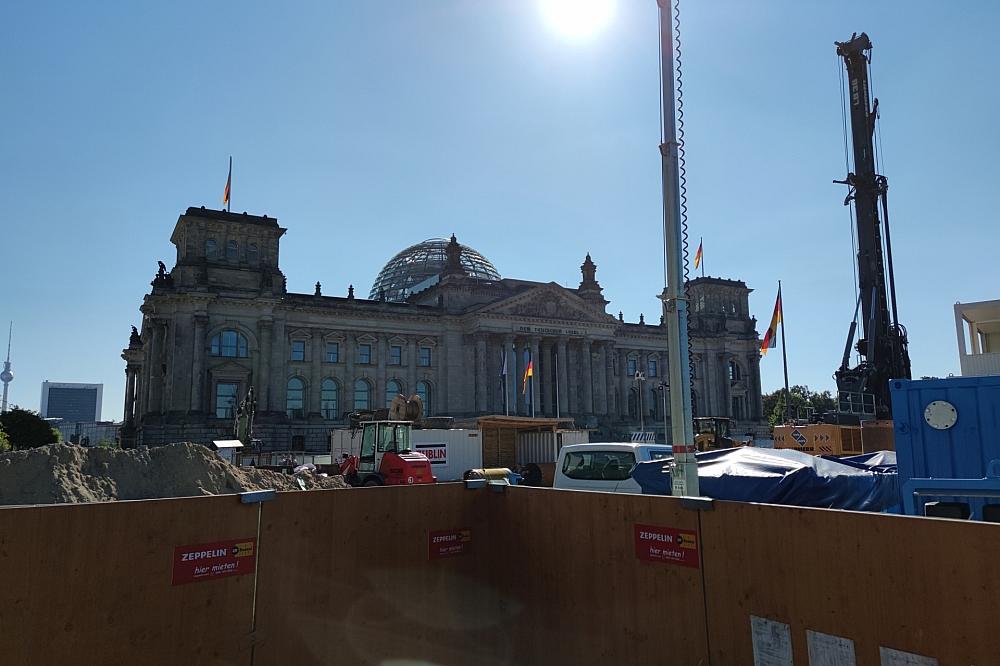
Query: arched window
x,y
211,249
232,250
633,403
295,398
329,398
392,389
229,343
252,254
735,374
424,391
362,395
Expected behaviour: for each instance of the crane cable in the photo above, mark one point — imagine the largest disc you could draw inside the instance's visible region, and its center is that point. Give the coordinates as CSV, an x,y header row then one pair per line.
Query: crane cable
x,y
682,177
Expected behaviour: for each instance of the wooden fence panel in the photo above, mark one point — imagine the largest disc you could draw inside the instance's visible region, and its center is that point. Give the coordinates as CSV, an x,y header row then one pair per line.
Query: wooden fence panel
x,y
92,584
923,586
565,566
345,577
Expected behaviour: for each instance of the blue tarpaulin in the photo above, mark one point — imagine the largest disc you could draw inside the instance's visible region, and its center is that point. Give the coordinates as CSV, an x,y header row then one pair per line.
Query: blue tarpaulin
x,y
782,476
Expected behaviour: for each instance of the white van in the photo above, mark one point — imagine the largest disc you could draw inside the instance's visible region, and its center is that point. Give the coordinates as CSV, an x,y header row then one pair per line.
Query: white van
x,y
604,467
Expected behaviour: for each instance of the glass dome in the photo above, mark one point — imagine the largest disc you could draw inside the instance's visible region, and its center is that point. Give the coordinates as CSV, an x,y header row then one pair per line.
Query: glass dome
x,y
418,266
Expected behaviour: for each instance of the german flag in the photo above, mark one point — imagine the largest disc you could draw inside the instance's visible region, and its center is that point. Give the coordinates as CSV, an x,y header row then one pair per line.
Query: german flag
x,y
697,255
528,372
770,340
229,185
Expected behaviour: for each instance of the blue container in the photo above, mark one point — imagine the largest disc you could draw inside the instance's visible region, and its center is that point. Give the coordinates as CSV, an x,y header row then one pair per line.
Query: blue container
x,y
962,451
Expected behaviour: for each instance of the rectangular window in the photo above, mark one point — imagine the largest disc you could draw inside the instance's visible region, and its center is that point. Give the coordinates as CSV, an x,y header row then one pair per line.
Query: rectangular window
x,y
652,368
599,465
333,352
298,350
225,400
364,354
425,357
395,355
632,367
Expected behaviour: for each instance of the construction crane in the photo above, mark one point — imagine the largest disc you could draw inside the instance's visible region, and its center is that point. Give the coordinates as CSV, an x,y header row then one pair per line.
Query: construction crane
x,y
864,388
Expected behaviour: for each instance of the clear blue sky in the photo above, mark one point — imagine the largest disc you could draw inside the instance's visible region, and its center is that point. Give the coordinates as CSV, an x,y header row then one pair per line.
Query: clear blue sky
x,y
367,126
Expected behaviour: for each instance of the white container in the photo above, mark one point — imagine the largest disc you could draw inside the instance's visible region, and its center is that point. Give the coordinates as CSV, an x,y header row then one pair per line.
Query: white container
x,y
451,451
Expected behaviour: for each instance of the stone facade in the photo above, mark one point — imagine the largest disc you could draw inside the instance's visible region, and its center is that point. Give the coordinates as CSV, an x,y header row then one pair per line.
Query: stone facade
x,y
221,320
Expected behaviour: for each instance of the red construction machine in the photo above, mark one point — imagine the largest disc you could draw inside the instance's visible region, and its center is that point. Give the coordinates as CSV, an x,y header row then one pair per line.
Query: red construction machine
x,y
386,457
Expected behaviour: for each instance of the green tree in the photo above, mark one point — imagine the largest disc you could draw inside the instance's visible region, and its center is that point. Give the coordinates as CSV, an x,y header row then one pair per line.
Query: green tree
x,y
802,400
4,441
26,429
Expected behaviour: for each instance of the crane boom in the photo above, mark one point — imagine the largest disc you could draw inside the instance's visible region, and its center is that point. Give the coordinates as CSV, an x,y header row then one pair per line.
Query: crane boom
x,y
884,346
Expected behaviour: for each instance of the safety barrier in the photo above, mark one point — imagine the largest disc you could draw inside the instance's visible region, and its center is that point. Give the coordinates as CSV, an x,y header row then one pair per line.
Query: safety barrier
x,y
444,575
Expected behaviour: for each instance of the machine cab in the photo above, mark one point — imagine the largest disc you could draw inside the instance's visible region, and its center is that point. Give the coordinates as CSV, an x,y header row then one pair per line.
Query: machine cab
x,y
379,438
712,432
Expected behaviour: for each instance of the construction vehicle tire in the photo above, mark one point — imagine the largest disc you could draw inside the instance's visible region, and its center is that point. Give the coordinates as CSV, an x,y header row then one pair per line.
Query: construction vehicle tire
x,y
371,482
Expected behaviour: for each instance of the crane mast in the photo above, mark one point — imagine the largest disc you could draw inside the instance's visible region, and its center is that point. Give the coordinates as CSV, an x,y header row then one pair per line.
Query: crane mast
x,y
883,347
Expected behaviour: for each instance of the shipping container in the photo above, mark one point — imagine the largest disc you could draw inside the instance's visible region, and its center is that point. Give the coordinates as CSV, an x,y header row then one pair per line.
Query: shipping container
x,y
543,447
947,429
451,451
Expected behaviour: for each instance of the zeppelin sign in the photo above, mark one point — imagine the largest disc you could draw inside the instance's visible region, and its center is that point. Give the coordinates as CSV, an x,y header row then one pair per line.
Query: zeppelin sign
x,y
666,544
208,561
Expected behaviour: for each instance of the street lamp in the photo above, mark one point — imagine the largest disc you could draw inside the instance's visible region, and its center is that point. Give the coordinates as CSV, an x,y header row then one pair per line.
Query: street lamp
x,y
663,387
640,377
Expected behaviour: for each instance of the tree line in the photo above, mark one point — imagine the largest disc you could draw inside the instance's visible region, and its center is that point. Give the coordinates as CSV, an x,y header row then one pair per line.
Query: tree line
x,y
803,403
25,429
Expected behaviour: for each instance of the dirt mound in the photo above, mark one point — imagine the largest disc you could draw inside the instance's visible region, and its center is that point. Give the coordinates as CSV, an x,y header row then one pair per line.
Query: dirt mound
x,y
62,473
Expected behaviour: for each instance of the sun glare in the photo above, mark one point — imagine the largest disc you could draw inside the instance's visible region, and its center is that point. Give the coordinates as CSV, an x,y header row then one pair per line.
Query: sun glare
x,y
577,19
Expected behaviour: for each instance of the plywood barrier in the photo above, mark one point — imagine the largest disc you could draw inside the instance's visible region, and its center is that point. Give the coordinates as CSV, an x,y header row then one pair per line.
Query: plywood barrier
x,y
565,566
923,586
353,577
93,584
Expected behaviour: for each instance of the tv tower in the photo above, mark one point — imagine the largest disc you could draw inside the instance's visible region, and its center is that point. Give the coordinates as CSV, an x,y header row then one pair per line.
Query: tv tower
x,y
6,376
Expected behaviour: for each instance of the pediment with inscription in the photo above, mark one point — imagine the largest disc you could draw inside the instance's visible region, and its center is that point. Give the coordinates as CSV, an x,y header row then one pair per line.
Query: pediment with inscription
x,y
548,302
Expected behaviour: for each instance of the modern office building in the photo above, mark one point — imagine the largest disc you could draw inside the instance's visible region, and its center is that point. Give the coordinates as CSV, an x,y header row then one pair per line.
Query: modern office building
x,y
71,402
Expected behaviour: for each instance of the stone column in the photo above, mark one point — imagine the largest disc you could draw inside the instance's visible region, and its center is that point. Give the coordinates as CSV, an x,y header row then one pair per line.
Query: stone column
x,y
411,366
517,403
536,385
601,380
572,378
481,379
263,379
548,373
155,404
609,379
279,367
586,351
315,372
381,348
753,363
625,384
563,376
198,364
349,372
129,416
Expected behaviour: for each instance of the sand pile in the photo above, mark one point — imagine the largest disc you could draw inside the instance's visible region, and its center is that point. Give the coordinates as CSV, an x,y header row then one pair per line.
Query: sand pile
x,y
63,473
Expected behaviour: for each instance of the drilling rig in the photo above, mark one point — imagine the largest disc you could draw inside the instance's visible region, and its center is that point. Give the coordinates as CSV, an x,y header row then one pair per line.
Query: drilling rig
x,y
863,389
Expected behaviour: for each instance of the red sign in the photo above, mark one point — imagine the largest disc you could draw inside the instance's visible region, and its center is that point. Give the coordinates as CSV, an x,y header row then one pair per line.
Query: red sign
x,y
208,561
448,543
666,544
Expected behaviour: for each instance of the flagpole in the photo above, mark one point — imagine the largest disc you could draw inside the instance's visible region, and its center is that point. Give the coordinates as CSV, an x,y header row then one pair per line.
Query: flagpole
x,y
784,358
701,244
229,203
506,372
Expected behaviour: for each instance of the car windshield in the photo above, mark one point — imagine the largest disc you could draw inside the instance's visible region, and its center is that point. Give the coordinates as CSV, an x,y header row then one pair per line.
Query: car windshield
x,y
598,465
659,454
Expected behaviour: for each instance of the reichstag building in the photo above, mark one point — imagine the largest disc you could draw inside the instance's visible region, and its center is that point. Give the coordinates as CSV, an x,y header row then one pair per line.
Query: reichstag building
x,y
440,321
